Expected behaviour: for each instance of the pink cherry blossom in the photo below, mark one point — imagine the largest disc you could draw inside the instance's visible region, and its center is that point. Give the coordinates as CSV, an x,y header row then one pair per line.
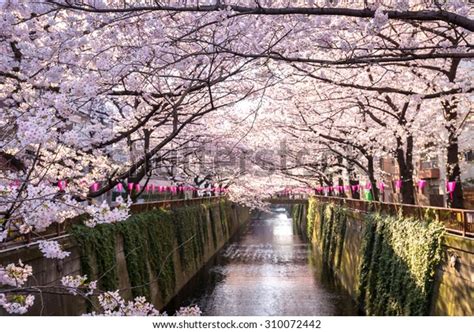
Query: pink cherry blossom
x,y
52,249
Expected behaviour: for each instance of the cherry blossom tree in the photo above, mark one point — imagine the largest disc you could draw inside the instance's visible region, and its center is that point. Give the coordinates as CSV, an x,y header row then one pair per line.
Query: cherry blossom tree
x,y
100,93
382,57
91,101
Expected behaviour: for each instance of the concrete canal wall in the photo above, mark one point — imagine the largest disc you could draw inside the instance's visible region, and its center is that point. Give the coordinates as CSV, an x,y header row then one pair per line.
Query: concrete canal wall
x,y
153,254
389,265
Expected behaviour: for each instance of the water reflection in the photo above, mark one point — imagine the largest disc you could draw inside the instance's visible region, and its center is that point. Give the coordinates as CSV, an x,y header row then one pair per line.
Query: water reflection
x,y
265,270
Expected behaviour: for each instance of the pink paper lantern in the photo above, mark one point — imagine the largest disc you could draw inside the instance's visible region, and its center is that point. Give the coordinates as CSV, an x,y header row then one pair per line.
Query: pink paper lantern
x,y
95,186
421,185
119,187
451,186
62,185
382,186
130,186
398,184
148,188
137,187
368,185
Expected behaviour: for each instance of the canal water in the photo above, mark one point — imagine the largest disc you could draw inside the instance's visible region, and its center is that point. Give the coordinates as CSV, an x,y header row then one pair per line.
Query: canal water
x,y
266,269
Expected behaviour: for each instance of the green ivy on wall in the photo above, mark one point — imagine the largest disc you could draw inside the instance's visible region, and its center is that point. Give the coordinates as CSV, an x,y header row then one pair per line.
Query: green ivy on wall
x,y
332,221
399,256
149,242
310,220
326,225
203,221
223,218
298,216
190,235
213,218
399,259
98,254
148,238
295,214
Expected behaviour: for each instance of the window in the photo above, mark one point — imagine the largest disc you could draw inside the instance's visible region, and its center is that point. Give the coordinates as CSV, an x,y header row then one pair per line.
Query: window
x,y
469,155
432,163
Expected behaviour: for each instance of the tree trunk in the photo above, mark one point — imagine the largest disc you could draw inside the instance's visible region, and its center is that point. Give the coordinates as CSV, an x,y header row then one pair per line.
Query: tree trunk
x,y
354,193
405,164
340,182
330,185
453,171
353,181
371,174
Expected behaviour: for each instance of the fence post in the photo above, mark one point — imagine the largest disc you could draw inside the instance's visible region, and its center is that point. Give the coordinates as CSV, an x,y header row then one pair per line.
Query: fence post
x,y
464,223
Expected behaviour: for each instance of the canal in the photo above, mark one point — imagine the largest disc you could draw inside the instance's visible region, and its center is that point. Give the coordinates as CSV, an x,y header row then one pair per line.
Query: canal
x,y
266,269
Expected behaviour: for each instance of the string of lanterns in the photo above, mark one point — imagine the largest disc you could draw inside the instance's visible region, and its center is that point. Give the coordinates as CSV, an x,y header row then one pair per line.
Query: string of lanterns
x,y
149,188
421,184
153,188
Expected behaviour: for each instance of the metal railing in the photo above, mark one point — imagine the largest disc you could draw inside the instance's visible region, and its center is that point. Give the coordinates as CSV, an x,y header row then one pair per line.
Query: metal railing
x,y
457,221
56,229
174,203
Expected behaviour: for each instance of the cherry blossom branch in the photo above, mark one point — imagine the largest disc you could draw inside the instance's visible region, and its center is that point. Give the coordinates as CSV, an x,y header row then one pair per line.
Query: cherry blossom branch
x,y
408,15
